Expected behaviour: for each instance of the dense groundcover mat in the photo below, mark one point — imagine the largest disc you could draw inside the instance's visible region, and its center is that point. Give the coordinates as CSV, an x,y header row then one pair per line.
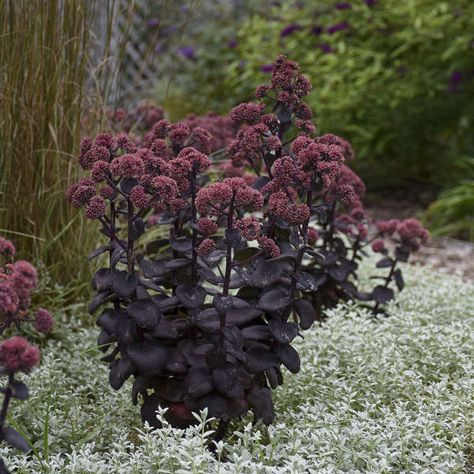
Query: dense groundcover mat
x,y
393,394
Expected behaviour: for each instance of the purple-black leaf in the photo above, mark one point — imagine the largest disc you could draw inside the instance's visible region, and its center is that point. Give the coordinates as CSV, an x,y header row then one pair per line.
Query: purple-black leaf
x,y
182,244
232,237
282,331
262,404
306,281
266,274
198,382
273,300
98,299
289,357
120,370
15,439
240,316
259,360
306,312
382,295
98,251
257,332
19,389
384,263
145,313
123,283
102,280
191,296
398,277
149,358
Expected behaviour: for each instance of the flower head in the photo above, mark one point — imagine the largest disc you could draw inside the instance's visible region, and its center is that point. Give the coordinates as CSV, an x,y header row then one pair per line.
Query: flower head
x,y
99,170
164,188
378,245
206,247
249,227
139,197
179,133
247,112
269,246
7,249
96,208
8,298
207,226
43,320
127,166
312,235
17,354
199,161
24,279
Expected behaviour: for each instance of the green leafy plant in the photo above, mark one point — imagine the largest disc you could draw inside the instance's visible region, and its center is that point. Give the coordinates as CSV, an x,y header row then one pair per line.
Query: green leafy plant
x,y
396,78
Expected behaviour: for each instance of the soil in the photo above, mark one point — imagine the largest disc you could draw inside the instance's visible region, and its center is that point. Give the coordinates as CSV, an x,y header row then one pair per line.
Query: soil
x,y
444,254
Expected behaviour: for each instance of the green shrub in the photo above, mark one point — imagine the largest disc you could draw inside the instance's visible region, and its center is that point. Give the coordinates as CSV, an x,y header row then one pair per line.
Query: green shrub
x,y
397,82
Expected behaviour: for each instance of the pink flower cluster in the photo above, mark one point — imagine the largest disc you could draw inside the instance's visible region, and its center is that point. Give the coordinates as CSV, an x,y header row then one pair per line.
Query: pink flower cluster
x,y
281,204
144,117
249,112
43,320
23,279
8,298
352,225
17,354
410,232
206,247
17,282
220,127
216,198
7,249
249,227
269,246
207,226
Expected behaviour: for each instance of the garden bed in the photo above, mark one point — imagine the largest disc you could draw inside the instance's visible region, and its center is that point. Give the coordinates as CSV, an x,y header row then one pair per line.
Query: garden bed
x,y
386,395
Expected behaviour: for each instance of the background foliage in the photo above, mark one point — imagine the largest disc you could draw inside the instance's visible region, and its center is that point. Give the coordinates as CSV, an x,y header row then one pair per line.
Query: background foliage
x,y
396,80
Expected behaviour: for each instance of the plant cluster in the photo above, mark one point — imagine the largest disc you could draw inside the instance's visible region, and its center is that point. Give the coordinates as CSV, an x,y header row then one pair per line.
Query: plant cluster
x,y
250,252
18,279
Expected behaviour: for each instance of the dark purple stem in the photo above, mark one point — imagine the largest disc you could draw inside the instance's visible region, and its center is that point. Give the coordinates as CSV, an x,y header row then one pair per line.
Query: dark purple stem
x,y
6,401
228,269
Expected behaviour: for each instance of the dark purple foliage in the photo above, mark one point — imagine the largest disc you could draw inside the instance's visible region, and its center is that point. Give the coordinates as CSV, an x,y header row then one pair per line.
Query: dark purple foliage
x,y
248,256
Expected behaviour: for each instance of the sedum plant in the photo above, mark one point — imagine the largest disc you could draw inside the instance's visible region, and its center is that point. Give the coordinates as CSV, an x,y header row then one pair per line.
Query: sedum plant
x,y
250,251
18,279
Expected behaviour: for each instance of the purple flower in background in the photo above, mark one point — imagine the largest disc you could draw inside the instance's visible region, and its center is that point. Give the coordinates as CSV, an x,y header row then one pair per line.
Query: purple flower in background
x,y
401,71
169,30
290,29
266,68
159,48
370,3
232,43
187,51
153,22
343,6
316,30
326,48
338,27
455,80
456,77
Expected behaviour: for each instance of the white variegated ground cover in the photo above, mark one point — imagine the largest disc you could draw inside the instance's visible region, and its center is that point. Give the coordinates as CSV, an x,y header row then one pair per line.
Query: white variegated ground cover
x,y
390,395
